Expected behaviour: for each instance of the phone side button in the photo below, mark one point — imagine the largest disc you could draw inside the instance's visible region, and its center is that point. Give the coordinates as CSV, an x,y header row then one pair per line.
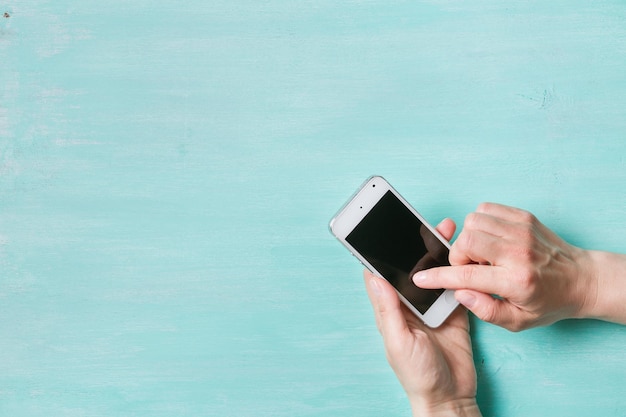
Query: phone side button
x,y
449,297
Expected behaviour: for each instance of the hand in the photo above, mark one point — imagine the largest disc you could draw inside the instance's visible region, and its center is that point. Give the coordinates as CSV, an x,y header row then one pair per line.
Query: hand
x,y
504,251
434,366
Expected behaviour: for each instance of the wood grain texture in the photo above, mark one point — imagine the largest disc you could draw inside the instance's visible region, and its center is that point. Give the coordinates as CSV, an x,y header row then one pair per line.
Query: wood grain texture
x,y
168,169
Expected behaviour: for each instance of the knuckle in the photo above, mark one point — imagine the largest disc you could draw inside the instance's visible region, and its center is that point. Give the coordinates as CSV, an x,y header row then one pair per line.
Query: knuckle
x,y
484,207
382,314
468,275
465,242
488,314
472,221
527,217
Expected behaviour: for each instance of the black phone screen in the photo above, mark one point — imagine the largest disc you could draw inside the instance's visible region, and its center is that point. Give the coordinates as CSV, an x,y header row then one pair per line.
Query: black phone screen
x,y
398,244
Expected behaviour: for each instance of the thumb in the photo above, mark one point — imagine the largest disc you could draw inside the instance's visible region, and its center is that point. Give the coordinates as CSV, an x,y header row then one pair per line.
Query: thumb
x,y
487,308
387,307
446,227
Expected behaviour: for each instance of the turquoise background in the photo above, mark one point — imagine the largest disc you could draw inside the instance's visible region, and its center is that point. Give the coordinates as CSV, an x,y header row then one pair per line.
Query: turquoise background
x,y
168,170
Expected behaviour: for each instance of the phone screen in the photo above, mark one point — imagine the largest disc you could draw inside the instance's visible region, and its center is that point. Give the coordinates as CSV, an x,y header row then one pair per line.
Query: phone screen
x,y
398,244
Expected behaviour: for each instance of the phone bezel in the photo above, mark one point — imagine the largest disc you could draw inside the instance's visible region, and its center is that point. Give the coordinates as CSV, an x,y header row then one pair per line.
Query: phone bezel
x,y
351,214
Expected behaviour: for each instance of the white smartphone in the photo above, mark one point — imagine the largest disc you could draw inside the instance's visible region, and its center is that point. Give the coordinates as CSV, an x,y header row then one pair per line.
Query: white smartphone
x,y
394,241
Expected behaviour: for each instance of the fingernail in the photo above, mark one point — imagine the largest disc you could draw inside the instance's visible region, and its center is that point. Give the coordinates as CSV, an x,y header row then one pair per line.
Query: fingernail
x,y
420,277
468,300
375,286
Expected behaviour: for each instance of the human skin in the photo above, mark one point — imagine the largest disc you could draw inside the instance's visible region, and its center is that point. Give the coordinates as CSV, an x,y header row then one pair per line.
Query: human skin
x,y
537,278
434,366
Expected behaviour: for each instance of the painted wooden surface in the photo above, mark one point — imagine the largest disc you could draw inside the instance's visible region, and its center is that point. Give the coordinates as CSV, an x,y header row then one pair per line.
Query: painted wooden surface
x,y
168,169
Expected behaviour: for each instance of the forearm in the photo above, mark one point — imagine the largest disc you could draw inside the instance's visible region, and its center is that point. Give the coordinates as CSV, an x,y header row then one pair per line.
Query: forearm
x,y
606,293
461,408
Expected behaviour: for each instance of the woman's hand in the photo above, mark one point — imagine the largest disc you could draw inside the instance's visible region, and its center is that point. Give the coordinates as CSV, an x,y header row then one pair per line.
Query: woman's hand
x,y
537,277
434,366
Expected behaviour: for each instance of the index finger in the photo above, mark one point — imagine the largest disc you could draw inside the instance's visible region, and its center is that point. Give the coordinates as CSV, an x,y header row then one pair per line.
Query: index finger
x,y
487,279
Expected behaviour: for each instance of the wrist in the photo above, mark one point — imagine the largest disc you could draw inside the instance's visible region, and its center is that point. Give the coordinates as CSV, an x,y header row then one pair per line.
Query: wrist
x,y
606,287
587,284
466,407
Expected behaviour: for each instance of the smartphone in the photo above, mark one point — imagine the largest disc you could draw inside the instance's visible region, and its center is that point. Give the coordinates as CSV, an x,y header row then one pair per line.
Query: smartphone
x,y
394,241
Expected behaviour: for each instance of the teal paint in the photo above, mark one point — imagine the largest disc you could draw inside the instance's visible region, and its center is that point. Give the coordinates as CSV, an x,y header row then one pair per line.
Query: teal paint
x,y
167,173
